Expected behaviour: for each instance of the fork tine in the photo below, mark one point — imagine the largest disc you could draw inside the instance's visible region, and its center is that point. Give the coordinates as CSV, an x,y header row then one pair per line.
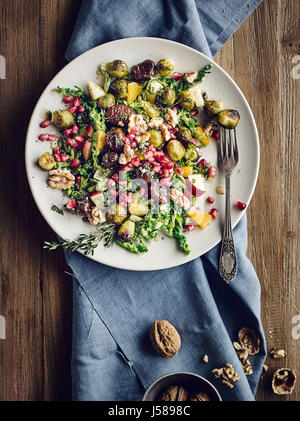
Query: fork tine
x,y
219,146
230,145
235,148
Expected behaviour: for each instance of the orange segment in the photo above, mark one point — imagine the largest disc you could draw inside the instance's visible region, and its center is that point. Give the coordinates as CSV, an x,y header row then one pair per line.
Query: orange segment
x,y
134,89
187,171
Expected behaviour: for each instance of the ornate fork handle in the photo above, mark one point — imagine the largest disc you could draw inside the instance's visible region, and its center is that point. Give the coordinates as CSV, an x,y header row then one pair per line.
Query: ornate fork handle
x,y
228,261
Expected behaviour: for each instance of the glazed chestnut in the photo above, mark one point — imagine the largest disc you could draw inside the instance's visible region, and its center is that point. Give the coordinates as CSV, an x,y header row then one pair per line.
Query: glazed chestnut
x,y
143,71
114,138
110,159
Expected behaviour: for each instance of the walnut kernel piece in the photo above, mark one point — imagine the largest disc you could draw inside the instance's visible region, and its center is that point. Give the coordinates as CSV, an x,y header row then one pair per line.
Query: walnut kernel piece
x,y
155,122
164,338
265,368
174,393
205,358
249,339
227,375
95,216
283,381
171,117
278,353
200,397
136,121
61,179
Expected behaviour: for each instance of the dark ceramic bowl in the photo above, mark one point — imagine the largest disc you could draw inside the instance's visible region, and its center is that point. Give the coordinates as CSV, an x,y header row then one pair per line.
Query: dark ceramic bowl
x,y
190,381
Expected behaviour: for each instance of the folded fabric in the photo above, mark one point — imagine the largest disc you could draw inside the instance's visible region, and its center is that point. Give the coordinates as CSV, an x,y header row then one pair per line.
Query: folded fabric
x,y
113,309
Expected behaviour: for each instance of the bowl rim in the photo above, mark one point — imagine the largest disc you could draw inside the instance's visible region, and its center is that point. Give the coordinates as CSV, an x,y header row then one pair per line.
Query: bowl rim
x,y
176,373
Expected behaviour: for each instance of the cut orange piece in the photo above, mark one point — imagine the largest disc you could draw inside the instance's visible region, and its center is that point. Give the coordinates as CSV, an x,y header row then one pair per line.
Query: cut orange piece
x,y
197,216
134,89
187,171
205,221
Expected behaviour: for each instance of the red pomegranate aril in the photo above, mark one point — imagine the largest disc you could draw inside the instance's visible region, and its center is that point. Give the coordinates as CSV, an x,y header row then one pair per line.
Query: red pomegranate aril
x,y
78,179
240,205
156,168
71,204
152,148
64,157
115,177
214,213
68,99
194,112
52,138
136,161
67,132
179,171
75,163
169,165
216,134
165,173
202,163
190,227
43,137
77,102
57,150
73,109
74,129
45,123
57,157
81,109
71,142
176,75
148,154
212,171
210,199
113,193
133,144
79,139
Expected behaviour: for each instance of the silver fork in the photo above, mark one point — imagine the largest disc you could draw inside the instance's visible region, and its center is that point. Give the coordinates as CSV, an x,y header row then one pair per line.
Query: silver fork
x,y
227,159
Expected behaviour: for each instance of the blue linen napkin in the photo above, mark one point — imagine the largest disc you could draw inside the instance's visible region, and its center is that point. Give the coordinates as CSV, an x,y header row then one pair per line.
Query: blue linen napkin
x,y
112,358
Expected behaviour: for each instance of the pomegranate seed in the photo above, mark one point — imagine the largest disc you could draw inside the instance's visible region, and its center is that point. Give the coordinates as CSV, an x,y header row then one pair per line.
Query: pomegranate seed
x,y
75,163
133,144
157,154
113,193
216,134
81,109
57,157
71,142
151,159
71,204
57,150
68,99
45,123
115,177
210,199
148,154
194,112
43,137
136,161
240,205
152,148
165,182
74,129
73,109
79,139
160,171
176,75
78,179
52,138
156,168
77,102
202,163
67,132
212,171
169,165
179,171
163,160
64,157
134,131
190,227
214,213
165,173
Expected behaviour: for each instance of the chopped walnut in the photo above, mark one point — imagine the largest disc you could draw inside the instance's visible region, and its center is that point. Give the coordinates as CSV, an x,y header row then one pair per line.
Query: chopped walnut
x,y
180,199
127,155
227,375
209,128
165,132
144,138
190,77
137,121
237,346
283,381
265,368
171,117
95,216
278,353
155,122
205,358
61,179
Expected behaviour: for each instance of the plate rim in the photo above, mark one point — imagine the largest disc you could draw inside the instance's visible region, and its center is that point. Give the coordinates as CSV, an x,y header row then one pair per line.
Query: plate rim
x,y
167,41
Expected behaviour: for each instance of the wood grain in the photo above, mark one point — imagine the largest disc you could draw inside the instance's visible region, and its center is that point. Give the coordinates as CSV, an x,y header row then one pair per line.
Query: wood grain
x,y
35,293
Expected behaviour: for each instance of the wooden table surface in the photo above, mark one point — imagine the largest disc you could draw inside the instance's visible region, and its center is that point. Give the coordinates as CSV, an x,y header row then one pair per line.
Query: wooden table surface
x,y
35,292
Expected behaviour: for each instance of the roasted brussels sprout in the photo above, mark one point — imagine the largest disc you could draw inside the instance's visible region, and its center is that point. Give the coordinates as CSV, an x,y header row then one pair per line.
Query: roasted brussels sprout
x,y
185,100
152,88
184,134
201,136
117,68
143,71
166,97
106,101
116,213
62,119
228,118
114,138
126,230
176,150
119,88
110,159
156,138
212,107
46,161
191,152
165,67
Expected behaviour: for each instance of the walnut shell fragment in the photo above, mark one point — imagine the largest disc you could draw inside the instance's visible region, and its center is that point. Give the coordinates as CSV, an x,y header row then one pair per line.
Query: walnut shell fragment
x,y
174,393
165,339
283,381
200,397
249,339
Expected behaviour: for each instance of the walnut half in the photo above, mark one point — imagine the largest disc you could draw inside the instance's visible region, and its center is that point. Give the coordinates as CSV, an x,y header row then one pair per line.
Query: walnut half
x,y
61,179
283,381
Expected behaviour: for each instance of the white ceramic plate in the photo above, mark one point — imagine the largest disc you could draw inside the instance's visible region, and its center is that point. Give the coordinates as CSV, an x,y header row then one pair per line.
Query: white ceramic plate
x,y
218,84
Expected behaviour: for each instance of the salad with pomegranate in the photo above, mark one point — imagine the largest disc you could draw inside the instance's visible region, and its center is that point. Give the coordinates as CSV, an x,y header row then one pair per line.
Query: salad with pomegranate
x,y
129,154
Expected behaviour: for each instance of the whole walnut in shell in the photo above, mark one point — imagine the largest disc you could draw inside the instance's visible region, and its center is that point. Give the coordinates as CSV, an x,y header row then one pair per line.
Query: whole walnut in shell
x,y
164,338
200,397
283,381
174,393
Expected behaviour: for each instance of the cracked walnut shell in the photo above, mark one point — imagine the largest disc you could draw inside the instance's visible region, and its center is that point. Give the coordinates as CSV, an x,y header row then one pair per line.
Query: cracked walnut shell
x,y
283,381
164,338
61,179
174,393
249,339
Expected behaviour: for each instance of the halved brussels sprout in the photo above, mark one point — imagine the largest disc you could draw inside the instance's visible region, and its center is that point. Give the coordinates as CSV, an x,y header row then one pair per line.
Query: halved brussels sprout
x,y
176,150
191,152
116,213
126,230
62,119
165,67
46,161
117,68
120,88
152,89
184,134
212,107
106,101
228,118
185,100
166,97
201,136
156,138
